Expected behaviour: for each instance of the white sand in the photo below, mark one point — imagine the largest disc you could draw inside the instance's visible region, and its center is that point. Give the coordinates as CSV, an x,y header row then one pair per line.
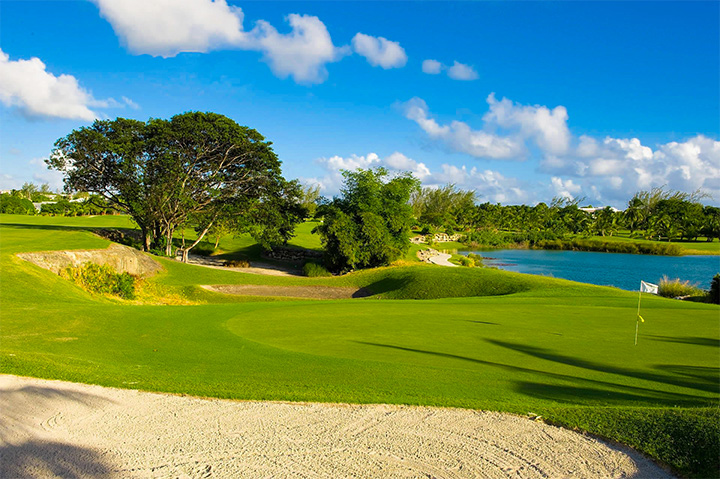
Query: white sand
x,y
60,429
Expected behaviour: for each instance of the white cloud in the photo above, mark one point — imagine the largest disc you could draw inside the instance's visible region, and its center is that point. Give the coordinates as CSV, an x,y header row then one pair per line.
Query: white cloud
x,y
565,188
460,137
167,27
27,85
615,168
130,103
379,51
331,182
547,127
302,53
432,67
489,185
460,71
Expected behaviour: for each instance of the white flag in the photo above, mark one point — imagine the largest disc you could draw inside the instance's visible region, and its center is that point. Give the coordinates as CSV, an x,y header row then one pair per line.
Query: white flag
x,y
648,287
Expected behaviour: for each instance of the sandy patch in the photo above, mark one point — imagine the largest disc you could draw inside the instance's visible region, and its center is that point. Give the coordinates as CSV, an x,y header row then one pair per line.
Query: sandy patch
x,y
53,428
256,267
312,292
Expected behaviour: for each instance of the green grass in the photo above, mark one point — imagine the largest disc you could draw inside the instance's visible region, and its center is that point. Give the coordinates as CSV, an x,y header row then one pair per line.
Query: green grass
x,y
527,343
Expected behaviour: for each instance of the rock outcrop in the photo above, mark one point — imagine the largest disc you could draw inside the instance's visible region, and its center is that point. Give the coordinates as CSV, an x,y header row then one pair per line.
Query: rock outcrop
x,y
123,258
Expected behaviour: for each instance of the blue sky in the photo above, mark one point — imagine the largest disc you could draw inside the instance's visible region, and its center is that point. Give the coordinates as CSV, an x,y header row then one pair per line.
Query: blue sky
x,y
520,101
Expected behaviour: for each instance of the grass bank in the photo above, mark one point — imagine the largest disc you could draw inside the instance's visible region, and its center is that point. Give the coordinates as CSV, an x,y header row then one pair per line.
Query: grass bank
x,y
471,338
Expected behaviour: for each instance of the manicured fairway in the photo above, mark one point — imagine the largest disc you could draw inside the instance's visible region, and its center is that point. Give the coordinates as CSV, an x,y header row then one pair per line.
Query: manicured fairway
x,y
551,347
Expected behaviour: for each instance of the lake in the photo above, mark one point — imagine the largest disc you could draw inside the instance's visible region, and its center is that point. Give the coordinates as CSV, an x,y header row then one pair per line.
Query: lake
x,y
606,269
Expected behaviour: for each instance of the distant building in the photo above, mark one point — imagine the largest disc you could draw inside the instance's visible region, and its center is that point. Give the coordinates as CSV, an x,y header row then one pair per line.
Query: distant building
x,y
591,210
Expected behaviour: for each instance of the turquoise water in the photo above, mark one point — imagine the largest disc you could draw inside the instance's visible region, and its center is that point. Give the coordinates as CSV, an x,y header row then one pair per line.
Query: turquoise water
x,y
623,271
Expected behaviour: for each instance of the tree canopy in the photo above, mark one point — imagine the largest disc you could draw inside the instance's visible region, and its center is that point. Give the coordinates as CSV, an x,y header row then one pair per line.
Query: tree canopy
x,y
194,169
368,224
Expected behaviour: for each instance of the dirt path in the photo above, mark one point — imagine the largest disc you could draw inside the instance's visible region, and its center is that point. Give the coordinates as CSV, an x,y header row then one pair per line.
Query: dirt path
x,y
442,259
312,292
59,429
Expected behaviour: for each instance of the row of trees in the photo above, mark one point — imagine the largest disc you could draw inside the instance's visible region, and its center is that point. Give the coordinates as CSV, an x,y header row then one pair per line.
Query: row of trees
x,y
656,214
196,169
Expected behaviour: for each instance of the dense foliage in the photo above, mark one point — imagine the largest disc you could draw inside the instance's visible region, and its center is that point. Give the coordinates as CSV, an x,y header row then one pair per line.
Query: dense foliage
x,y
657,214
194,169
368,225
14,204
102,279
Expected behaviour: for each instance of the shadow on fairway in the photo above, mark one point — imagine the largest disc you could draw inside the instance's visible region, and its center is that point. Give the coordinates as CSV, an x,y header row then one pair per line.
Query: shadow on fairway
x,y
575,390
711,342
549,355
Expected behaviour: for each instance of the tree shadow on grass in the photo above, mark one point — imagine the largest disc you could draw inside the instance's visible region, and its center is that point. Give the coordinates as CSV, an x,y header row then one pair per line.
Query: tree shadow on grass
x,y
388,284
574,388
60,227
711,342
549,355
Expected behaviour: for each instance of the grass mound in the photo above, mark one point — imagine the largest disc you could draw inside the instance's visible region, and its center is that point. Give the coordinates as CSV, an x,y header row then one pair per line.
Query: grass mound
x,y
434,282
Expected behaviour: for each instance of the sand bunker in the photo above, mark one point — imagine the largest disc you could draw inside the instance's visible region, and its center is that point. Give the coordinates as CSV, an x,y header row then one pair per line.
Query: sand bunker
x,y
53,428
312,292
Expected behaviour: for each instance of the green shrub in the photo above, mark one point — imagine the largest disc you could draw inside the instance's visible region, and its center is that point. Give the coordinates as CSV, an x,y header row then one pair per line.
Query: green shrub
x,y
313,270
15,205
465,261
476,258
673,288
102,279
237,263
715,289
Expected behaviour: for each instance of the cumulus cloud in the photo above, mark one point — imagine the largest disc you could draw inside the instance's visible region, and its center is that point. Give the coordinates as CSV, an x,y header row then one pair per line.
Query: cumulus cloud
x,y
27,85
302,53
379,51
607,170
547,127
613,169
432,67
489,185
331,182
565,188
460,137
460,71
166,28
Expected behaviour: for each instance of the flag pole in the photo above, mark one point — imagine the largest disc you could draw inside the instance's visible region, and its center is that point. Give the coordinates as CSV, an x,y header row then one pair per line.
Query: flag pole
x,y
637,320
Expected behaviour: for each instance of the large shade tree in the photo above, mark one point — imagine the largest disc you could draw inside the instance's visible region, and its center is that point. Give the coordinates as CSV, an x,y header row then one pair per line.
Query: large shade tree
x,y
194,169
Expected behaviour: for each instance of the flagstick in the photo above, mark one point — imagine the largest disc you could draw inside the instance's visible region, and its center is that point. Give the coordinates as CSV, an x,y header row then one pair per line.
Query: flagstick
x,y
637,320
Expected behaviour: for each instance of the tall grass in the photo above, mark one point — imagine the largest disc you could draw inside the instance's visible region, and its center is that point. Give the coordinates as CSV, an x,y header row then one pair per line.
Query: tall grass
x,y
674,288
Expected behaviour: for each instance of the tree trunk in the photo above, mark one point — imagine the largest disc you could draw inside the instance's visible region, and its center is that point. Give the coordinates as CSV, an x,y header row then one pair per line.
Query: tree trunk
x,y
145,239
186,251
168,245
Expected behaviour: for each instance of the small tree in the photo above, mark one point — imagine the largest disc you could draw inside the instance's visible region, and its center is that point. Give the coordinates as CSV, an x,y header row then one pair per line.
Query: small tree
x,y
369,224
